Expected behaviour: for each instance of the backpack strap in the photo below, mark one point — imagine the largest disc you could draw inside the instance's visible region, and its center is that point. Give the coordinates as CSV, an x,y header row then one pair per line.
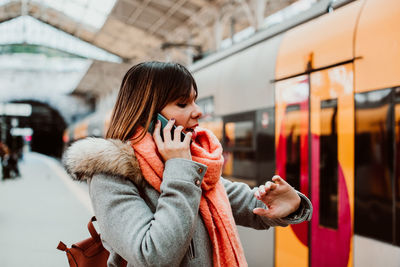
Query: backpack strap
x,y
61,246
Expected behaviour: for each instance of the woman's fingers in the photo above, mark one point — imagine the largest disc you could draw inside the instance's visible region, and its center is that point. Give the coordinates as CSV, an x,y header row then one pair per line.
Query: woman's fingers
x,y
264,212
156,134
277,179
188,139
270,186
167,130
177,134
263,190
172,148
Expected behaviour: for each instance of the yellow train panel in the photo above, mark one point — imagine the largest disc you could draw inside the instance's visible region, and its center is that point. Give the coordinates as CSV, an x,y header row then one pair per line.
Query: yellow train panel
x,y
324,41
284,257
378,45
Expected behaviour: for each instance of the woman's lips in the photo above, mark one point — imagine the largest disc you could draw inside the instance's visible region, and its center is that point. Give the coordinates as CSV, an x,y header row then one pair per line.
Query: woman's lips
x,y
192,130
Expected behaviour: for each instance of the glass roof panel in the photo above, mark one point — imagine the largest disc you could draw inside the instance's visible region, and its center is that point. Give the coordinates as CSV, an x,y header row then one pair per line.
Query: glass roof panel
x,y
26,29
103,6
94,17
3,2
288,12
92,13
36,74
45,79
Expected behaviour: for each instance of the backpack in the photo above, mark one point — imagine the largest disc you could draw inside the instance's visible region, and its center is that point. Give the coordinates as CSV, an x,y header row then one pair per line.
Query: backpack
x,y
89,252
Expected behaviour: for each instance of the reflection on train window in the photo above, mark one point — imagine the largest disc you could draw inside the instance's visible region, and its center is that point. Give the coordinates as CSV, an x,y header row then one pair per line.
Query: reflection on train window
x,y
239,134
213,124
328,168
292,127
239,147
374,165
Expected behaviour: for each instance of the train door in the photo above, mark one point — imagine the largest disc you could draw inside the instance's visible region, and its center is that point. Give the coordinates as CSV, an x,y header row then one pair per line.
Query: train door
x,y
292,127
332,166
315,145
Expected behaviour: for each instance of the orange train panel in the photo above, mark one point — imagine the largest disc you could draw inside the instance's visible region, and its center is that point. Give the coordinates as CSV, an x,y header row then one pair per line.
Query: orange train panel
x,y
333,247
326,40
291,243
378,45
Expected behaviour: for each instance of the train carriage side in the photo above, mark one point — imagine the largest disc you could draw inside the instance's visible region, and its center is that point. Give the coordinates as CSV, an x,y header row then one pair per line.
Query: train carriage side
x,y
337,91
315,136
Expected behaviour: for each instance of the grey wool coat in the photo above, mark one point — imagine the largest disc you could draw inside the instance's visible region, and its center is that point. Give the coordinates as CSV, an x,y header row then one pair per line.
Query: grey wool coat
x,y
147,228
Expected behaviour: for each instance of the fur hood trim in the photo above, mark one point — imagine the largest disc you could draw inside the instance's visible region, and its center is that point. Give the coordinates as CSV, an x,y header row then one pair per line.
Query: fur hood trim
x,y
90,156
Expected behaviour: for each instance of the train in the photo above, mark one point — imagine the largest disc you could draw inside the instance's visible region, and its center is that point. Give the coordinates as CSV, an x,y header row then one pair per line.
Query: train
x,y
316,100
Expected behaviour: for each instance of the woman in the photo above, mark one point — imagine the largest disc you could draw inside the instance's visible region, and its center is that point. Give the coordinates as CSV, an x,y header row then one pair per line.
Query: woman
x,y
160,201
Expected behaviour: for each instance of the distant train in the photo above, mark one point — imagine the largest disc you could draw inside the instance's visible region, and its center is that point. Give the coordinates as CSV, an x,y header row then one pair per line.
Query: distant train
x,y
316,100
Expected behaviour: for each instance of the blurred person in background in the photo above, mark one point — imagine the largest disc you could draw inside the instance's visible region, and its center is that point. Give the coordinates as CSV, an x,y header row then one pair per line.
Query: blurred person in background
x,y
4,154
161,200
13,164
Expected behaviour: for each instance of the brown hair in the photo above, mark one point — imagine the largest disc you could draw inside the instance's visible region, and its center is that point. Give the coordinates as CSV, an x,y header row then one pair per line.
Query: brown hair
x,y
145,90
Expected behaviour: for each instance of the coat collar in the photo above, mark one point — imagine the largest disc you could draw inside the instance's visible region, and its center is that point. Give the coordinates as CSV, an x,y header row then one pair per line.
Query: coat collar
x,y
90,156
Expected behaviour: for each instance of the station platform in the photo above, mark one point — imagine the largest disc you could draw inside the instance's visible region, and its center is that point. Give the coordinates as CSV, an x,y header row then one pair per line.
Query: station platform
x,y
39,209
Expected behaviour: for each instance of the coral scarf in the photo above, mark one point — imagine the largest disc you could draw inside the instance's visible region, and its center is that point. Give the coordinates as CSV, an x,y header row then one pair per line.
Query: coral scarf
x,y
214,208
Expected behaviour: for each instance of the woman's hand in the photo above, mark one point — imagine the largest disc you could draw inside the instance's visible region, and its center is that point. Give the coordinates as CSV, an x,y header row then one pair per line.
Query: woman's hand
x,y
280,198
169,148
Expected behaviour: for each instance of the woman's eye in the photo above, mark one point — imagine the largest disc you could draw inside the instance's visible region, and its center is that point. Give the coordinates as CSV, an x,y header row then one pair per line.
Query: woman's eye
x,y
181,105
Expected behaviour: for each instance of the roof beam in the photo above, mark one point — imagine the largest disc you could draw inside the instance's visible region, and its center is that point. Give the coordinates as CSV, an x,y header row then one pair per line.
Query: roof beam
x,y
183,10
170,12
138,11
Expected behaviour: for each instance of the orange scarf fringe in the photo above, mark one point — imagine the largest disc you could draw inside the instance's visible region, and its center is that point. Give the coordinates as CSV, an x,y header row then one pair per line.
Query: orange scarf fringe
x,y
214,208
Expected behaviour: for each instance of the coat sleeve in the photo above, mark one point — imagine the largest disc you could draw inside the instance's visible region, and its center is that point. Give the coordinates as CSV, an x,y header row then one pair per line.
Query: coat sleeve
x,y
242,201
132,230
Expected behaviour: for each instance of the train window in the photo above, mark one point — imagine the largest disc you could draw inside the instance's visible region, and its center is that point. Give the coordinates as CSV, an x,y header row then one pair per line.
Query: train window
x,y
239,146
265,144
293,150
243,165
214,124
374,165
328,170
239,134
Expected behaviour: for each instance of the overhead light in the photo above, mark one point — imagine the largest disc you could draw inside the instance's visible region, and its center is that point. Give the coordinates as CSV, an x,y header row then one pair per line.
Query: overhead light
x,y
11,109
28,30
88,12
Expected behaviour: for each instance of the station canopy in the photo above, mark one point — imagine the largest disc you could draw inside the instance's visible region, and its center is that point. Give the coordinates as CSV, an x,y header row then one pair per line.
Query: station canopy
x,y
136,29
48,47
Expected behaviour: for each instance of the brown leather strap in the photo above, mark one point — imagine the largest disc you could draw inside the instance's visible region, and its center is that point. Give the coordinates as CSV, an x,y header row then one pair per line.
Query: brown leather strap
x,y
92,230
62,246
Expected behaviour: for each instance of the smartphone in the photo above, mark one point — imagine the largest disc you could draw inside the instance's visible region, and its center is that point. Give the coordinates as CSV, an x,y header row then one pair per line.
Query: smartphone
x,y
164,122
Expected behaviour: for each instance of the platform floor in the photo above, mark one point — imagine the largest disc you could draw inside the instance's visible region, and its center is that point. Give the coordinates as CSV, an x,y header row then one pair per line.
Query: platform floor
x,y
38,210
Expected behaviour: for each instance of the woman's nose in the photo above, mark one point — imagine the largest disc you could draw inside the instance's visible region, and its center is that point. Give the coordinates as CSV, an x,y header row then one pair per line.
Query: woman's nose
x,y
197,113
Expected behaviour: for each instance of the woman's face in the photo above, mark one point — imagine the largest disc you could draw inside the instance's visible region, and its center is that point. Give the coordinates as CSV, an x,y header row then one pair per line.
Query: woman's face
x,y
185,112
